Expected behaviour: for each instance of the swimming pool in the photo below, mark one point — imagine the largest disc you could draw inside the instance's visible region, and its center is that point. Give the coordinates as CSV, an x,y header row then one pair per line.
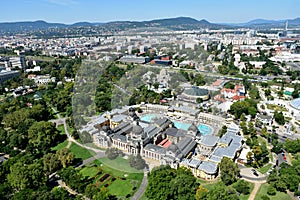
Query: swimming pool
x,y
150,117
204,129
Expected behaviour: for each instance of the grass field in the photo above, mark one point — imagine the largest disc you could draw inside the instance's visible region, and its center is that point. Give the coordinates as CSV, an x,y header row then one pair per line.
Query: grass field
x,y
265,168
60,146
120,164
263,191
118,183
80,152
94,146
89,171
120,187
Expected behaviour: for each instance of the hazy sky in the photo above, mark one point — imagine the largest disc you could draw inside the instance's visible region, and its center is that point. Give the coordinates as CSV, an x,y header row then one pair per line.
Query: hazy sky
x,y
70,11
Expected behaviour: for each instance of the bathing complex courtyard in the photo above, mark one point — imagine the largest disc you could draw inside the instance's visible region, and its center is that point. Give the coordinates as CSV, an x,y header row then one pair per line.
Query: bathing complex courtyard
x,y
203,128
165,135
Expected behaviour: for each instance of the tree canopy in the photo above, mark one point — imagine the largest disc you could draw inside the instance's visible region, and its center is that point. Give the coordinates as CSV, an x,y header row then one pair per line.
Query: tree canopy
x,y
167,183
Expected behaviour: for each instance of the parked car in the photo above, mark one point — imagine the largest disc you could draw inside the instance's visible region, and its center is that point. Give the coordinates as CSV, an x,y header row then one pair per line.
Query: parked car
x,y
254,172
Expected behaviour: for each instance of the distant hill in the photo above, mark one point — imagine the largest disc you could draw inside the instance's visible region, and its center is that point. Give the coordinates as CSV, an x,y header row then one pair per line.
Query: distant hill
x,y
264,23
178,23
28,26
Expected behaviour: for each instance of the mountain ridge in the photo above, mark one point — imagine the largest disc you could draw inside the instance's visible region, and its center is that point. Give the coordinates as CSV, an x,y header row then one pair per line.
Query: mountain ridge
x,y
172,23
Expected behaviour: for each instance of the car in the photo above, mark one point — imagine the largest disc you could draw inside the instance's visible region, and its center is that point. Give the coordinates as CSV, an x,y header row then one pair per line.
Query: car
x,y
255,173
253,170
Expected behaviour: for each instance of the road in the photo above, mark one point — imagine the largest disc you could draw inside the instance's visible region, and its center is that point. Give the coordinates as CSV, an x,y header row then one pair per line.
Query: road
x,y
142,188
248,175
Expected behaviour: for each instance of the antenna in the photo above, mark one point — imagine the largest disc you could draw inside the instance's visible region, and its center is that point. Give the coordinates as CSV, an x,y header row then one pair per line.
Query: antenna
x,y
286,25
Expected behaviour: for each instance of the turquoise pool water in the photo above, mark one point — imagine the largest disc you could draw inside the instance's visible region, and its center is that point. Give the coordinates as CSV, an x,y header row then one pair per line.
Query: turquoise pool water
x,y
150,117
204,129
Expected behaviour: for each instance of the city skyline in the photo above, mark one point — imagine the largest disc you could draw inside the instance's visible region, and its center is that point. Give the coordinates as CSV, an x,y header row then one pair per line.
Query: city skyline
x,y
216,11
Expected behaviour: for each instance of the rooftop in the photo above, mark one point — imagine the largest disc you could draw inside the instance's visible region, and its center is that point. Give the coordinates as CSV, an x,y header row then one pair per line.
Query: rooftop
x,y
209,140
208,167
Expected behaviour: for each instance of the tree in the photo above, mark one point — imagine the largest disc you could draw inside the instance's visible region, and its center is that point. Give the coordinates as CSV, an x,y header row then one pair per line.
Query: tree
x,y
220,191
280,185
264,132
137,162
295,94
265,197
113,153
65,157
156,85
42,135
104,195
271,190
242,186
167,183
50,163
268,92
229,171
279,118
248,106
199,100
222,131
292,146
86,137
243,117
249,157
91,190
201,193
24,176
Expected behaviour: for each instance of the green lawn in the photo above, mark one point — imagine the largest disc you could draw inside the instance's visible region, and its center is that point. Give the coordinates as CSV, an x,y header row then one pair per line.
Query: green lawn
x,y
120,164
210,186
265,168
89,171
120,187
60,146
263,191
276,107
119,173
80,152
93,146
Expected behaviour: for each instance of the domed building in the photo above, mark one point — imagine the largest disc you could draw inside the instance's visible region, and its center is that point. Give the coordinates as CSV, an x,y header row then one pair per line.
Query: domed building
x,y
191,94
296,103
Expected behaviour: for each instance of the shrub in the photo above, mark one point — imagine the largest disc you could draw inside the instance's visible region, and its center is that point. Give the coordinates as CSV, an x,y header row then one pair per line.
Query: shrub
x,y
271,190
264,197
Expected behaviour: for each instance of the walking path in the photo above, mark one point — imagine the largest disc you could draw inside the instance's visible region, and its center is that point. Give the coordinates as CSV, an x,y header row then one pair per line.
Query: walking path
x,y
254,191
142,187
